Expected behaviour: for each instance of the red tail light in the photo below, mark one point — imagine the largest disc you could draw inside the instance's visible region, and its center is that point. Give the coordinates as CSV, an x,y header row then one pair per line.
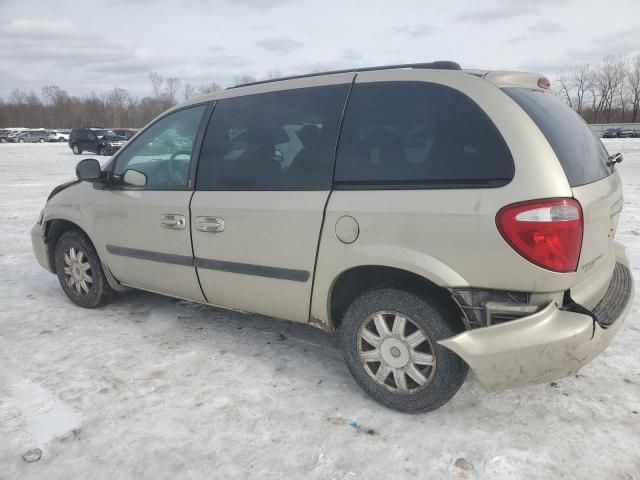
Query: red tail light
x,y
545,232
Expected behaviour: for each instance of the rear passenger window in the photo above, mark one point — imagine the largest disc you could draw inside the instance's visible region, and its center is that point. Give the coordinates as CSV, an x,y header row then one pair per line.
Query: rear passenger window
x,y
272,141
418,134
581,154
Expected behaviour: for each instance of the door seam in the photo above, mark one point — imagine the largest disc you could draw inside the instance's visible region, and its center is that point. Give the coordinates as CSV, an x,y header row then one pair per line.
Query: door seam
x,y
193,251
310,319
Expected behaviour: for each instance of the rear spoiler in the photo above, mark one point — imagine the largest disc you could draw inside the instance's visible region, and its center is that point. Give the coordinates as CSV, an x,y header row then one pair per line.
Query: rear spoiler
x,y
505,78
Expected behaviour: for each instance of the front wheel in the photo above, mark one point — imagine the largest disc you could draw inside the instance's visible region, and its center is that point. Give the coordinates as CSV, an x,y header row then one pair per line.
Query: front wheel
x,y
3,140
76,150
389,340
21,140
41,140
80,271
61,140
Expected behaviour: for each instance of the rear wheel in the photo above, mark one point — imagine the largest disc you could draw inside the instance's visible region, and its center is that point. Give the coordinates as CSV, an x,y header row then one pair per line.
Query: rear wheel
x,y
41,140
80,271
76,150
61,139
21,140
389,340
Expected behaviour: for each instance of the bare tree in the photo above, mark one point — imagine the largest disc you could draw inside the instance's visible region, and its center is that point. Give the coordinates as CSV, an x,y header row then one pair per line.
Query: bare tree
x,y
633,81
116,102
17,96
54,94
212,87
189,91
156,84
171,90
581,80
564,88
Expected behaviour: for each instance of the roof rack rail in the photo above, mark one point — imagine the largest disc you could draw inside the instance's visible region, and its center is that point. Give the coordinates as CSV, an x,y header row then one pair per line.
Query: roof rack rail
x,y
438,65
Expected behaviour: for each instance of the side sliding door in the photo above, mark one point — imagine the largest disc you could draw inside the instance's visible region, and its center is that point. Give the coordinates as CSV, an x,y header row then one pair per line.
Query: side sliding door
x,y
264,177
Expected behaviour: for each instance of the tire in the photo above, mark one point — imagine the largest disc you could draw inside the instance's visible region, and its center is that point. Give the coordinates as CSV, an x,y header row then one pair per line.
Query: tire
x,y
61,140
102,152
74,251
3,140
443,378
76,149
41,140
21,140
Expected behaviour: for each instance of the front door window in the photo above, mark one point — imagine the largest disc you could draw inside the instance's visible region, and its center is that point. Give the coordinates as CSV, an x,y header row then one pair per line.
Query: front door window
x,y
163,151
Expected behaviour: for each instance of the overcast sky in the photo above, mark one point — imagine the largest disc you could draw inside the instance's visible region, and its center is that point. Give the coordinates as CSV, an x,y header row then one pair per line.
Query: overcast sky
x,y
84,45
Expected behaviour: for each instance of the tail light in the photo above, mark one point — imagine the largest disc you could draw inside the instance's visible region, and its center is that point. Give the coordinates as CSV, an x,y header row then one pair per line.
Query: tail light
x,y
545,232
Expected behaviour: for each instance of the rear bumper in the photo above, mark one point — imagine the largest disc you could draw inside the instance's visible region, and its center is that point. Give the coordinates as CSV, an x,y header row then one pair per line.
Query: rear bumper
x,y
550,344
40,248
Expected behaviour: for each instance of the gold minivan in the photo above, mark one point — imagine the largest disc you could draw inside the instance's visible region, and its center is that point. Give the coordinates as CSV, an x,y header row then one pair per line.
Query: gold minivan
x,y
438,219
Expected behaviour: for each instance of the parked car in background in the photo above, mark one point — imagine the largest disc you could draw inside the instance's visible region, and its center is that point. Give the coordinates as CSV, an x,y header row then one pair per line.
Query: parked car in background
x,y
610,133
13,134
125,132
430,238
627,133
31,136
96,140
59,135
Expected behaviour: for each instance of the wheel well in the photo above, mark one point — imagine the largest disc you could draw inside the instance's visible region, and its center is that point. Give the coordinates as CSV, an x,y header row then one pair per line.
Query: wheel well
x,y
55,229
353,282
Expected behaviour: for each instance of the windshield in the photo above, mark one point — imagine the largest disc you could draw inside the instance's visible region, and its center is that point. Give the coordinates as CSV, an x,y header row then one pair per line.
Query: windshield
x,y
581,154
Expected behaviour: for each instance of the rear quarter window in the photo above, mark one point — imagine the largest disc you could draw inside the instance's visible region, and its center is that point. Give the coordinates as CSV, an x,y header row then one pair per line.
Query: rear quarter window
x,y
582,155
418,135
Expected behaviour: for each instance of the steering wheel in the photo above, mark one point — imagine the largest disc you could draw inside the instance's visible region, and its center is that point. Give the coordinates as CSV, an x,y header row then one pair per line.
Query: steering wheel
x,y
174,172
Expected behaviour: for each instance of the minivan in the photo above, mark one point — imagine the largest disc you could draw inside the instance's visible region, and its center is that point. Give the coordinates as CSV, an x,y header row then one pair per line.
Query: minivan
x,y
438,219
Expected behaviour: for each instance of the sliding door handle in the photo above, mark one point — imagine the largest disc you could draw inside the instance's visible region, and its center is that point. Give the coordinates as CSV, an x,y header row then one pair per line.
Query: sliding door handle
x,y
210,224
173,222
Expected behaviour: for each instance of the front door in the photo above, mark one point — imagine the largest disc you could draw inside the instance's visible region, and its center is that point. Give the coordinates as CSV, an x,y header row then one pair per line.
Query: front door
x,y
264,177
142,217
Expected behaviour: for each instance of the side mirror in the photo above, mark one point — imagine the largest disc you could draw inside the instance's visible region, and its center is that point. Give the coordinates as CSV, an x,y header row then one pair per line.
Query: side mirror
x,y
88,170
134,178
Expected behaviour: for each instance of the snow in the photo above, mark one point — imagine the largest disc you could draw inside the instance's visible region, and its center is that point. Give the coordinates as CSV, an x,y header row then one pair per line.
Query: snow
x,y
152,387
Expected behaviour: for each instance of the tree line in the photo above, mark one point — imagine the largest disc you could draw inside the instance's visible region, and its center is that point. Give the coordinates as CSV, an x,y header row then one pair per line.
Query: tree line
x,y
603,93
606,92
56,108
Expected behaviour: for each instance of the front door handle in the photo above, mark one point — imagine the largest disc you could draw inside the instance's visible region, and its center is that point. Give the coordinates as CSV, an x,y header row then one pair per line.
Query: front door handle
x,y
210,224
173,221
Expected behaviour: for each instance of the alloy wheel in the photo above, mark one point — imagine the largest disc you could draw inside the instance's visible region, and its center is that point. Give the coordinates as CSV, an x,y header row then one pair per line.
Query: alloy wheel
x,y
77,271
396,352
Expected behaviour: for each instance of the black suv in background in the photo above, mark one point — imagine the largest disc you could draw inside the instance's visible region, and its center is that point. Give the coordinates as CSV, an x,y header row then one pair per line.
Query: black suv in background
x,y
96,140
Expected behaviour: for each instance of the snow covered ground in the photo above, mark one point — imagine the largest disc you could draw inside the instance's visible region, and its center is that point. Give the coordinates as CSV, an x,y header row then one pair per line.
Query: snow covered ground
x,y
151,387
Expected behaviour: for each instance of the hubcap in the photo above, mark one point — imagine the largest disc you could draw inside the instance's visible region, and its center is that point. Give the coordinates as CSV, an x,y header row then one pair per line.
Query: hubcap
x,y
77,271
396,352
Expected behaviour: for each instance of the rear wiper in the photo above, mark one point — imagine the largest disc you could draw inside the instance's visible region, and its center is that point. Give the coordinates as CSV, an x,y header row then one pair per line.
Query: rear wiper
x,y
613,159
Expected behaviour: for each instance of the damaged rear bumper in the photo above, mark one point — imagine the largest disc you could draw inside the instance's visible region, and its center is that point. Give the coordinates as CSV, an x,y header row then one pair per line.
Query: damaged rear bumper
x,y
550,344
